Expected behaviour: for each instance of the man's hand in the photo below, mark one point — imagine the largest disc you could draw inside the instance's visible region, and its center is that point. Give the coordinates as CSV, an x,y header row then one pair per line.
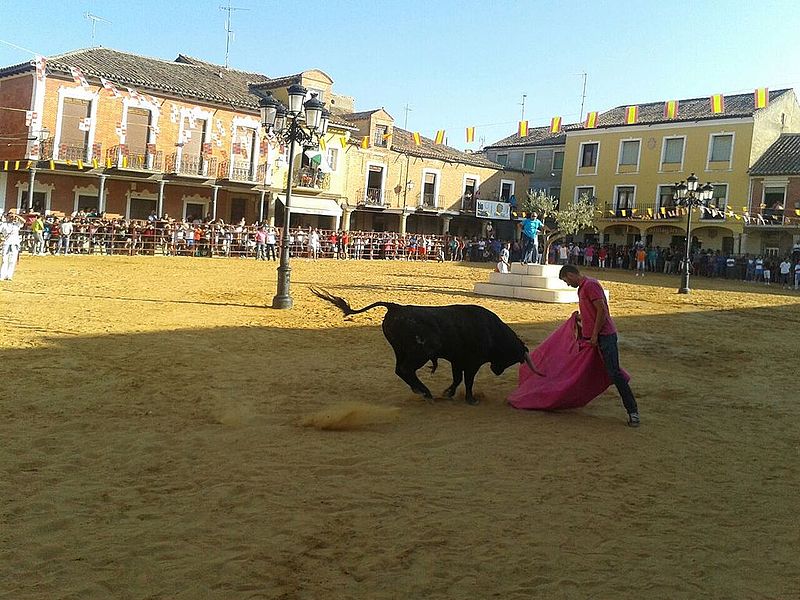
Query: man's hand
x,y
593,340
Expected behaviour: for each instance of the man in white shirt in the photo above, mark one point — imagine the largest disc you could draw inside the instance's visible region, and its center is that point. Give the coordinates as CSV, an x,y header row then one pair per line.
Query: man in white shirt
x,y
785,269
797,276
66,234
9,234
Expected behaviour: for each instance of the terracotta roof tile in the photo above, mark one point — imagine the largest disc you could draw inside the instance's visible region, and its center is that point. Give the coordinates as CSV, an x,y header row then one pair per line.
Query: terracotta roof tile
x,y
781,158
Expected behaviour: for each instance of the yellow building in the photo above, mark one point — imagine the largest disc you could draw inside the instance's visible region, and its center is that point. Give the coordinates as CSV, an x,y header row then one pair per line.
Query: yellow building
x,y
631,169
395,184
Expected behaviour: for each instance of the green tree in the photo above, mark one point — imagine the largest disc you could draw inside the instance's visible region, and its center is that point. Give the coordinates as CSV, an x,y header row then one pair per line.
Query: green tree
x,y
569,219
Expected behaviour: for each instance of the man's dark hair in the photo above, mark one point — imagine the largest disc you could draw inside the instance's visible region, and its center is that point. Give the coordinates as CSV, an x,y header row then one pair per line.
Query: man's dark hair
x,y
568,269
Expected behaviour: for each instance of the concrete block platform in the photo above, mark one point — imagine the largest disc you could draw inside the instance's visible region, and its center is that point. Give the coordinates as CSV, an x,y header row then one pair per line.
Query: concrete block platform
x,y
539,283
560,296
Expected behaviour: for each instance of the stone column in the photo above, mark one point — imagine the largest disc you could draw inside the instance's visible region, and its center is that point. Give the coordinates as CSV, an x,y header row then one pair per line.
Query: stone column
x,y
261,207
101,194
31,182
403,219
346,217
214,203
160,209
271,210
446,224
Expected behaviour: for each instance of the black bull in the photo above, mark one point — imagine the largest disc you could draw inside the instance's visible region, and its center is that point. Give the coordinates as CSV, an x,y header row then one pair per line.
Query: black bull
x,y
467,336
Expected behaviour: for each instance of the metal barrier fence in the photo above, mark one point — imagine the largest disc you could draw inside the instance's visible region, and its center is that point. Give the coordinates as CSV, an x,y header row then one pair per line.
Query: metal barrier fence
x,y
212,240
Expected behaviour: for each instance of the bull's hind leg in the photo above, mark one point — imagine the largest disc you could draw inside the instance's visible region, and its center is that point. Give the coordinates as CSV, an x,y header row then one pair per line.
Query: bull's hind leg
x,y
458,375
469,379
407,371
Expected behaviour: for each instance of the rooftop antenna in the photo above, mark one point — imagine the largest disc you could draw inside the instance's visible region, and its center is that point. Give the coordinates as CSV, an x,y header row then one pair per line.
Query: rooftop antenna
x,y
408,109
523,106
228,27
583,93
94,19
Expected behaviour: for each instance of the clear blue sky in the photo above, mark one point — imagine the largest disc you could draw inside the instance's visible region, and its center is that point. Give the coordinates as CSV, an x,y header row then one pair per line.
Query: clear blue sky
x,y
456,63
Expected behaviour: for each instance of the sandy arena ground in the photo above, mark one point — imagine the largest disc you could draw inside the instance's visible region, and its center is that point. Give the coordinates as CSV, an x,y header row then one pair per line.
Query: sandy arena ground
x,y
150,414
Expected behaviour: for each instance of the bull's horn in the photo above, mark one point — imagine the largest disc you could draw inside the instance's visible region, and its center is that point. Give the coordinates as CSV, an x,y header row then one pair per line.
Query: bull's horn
x,y
530,364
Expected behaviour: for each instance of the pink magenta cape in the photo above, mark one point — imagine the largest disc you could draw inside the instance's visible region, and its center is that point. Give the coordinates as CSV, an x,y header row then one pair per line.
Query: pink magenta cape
x,y
574,373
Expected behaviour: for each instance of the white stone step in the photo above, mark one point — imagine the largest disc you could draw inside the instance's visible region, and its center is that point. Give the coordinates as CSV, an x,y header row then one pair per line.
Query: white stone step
x,y
560,296
538,270
533,281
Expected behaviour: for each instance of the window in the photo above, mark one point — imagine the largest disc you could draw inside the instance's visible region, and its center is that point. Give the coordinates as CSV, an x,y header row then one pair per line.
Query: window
x,y
589,155
140,208
238,209
320,94
87,203
137,129
379,139
429,185
774,201
194,211
718,201
673,151
624,200
666,200
529,162
74,133
333,158
584,191
558,160
721,146
629,152
555,192
39,202
245,153
502,159
506,190
469,195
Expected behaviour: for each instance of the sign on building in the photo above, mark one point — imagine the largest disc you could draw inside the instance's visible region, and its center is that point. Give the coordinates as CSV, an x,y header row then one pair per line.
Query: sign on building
x,y
486,209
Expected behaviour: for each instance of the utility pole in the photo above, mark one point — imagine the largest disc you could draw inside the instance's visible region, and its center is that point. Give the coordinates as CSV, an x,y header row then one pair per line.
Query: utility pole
x,y
94,19
228,27
522,118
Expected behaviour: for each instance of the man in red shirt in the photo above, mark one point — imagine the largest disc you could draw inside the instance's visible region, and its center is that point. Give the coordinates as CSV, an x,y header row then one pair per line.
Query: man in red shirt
x,y
598,324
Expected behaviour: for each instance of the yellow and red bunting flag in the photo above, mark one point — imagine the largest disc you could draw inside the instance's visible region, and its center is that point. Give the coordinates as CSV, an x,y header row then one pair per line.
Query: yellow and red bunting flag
x,y
591,120
343,141
80,164
631,115
470,134
365,142
522,129
650,212
322,145
417,140
386,136
5,165
95,163
52,165
761,97
671,109
717,104
439,137
555,124
16,165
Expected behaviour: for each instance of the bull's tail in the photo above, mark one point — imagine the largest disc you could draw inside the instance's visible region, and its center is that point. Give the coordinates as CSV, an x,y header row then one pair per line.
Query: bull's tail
x,y
344,306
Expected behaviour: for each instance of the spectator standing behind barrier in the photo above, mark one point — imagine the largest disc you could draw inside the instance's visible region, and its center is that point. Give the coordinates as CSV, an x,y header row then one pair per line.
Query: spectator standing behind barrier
x,y
785,270
270,244
37,227
66,234
261,241
797,275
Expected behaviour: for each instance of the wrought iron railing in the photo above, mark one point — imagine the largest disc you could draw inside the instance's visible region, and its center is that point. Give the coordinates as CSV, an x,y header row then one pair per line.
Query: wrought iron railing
x,y
191,164
429,200
123,159
640,210
372,197
238,170
309,177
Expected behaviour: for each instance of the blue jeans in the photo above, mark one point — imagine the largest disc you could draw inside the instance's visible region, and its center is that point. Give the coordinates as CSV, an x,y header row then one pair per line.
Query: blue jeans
x,y
610,351
531,249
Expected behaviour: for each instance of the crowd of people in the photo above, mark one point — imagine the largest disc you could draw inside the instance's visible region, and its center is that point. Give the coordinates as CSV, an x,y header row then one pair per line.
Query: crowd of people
x,y
88,233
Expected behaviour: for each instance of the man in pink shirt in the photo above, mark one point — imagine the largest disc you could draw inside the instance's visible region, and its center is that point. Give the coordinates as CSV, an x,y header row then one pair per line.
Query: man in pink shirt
x,y
598,324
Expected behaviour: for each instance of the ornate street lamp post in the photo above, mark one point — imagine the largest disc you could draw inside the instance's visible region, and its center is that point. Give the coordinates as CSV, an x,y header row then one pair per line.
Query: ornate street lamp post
x,y
689,194
299,123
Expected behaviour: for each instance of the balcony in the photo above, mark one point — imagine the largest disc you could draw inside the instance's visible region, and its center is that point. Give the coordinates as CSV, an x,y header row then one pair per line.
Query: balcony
x,y
310,178
429,201
191,164
372,197
771,218
469,203
122,159
66,152
242,170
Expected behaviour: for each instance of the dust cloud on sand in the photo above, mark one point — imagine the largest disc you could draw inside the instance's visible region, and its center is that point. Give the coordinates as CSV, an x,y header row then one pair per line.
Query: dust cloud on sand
x,y
152,447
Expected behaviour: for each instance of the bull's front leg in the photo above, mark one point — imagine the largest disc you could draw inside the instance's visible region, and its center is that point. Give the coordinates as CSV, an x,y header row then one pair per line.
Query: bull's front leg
x,y
469,379
458,375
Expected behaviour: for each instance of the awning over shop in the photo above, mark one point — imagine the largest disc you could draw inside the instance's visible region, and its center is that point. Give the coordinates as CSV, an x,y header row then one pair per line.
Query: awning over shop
x,y
313,206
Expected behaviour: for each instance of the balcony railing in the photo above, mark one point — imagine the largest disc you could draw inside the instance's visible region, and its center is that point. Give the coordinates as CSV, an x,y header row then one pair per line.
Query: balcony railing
x,y
67,152
309,177
139,162
191,164
242,170
372,197
770,218
429,200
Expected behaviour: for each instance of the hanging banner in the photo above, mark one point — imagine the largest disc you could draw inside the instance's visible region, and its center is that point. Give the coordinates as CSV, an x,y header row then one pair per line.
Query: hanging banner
x,y
41,64
631,115
671,109
417,139
717,104
555,125
470,135
522,129
487,209
439,137
77,77
591,120
761,97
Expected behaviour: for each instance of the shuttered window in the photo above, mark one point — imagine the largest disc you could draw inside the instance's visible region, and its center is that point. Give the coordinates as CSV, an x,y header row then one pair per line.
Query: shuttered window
x,y
137,130
194,144
73,113
629,152
673,151
721,146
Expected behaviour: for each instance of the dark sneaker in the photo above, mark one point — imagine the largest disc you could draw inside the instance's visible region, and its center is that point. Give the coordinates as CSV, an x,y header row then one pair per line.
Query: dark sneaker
x,y
633,420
